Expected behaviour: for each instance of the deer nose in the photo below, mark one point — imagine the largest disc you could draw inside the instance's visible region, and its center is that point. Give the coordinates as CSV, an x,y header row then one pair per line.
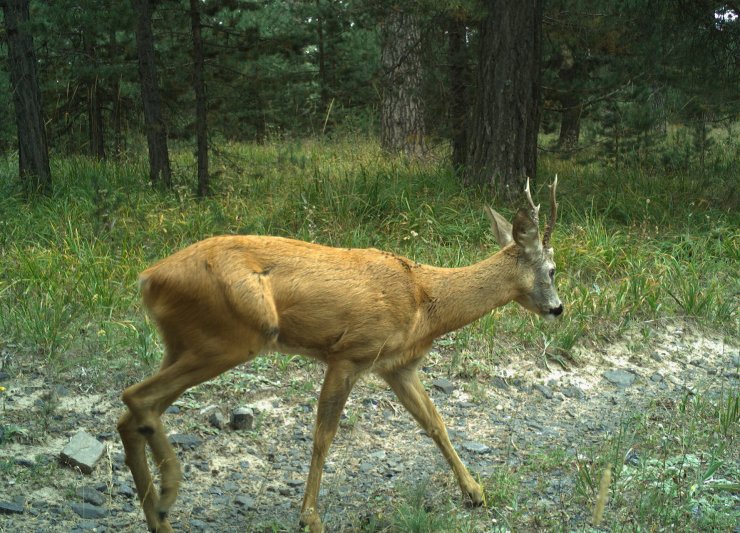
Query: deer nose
x,y
557,311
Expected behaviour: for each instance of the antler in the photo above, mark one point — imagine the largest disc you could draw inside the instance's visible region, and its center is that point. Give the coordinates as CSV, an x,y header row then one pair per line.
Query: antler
x,y
553,214
535,213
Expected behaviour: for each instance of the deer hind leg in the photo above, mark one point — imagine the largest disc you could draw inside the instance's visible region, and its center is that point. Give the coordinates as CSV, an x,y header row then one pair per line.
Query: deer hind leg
x,y
410,391
338,382
143,425
134,446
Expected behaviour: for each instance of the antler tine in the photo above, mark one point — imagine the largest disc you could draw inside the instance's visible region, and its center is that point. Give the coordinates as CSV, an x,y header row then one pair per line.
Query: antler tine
x,y
553,213
535,208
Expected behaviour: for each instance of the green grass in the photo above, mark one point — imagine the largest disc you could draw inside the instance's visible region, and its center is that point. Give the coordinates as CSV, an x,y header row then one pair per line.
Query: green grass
x,y
630,245
684,471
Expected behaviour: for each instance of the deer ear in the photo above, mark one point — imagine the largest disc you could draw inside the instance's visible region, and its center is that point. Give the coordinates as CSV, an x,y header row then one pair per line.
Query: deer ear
x,y
526,233
499,226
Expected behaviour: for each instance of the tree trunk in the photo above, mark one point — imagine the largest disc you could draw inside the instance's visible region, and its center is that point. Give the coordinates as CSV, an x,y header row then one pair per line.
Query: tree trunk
x,y
570,122
570,103
458,73
33,150
506,116
94,105
116,99
95,121
199,86
156,134
323,81
401,112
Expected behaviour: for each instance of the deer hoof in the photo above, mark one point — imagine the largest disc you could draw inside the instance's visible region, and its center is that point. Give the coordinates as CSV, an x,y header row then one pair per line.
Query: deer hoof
x,y
473,495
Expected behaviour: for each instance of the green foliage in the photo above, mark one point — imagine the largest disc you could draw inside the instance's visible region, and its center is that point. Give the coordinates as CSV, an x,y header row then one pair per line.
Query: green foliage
x,y
651,248
686,462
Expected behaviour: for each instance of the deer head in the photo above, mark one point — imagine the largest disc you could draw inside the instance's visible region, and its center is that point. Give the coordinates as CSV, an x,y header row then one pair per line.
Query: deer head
x,y
535,262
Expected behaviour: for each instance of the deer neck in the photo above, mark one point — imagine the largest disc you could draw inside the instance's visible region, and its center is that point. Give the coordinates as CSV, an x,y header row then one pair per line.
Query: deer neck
x,y
458,296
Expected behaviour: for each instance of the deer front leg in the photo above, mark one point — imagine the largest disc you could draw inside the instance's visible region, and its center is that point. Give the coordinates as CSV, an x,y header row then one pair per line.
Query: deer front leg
x,y
338,382
410,391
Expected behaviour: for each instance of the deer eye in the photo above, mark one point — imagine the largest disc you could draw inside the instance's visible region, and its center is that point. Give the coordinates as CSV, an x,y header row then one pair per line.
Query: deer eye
x,y
552,273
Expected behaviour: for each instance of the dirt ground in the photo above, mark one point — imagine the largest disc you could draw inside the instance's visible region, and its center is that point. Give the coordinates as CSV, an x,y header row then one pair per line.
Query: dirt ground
x,y
252,480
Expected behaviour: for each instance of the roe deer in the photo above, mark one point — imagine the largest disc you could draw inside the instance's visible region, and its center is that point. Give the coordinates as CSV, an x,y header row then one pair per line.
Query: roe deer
x,y
224,300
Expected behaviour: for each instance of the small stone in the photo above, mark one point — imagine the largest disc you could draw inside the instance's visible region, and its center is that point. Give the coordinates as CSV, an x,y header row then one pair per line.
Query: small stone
x,y
208,409
185,441
475,447
11,508
198,525
61,390
90,495
88,510
4,376
27,462
657,377
378,456
444,385
245,502
656,357
632,458
217,419
83,451
126,491
620,378
499,382
242,418
172,410
573,392
544,390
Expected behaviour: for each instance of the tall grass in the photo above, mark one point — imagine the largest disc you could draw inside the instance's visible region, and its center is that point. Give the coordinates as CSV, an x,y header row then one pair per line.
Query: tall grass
x,y
629,246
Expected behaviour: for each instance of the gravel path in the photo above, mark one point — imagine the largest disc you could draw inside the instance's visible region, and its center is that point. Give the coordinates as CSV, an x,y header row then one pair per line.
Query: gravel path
x,y
252,479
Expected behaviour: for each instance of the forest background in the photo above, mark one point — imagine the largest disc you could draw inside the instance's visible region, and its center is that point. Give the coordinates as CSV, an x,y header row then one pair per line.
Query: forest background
x,y
131,129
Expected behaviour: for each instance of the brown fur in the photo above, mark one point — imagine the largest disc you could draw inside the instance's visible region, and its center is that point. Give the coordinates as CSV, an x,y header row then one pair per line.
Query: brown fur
x,y
224,300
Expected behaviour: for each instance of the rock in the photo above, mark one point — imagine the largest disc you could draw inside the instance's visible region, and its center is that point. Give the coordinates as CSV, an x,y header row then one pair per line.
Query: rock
x,y
126,491
27,462
208,409
242,418
198,525
4,376
61,390
632,458
245,502
656,377
620,378
83,451
573,392
185,441
378,456
444,385
172,410
88,510
88,525
217,419
545,390
656,357
475,447
11,508
499,382
90,495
